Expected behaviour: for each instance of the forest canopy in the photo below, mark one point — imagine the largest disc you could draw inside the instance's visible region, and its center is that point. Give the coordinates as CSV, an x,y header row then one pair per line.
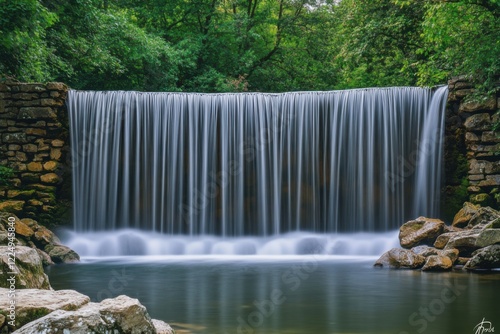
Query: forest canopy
x,y
249,45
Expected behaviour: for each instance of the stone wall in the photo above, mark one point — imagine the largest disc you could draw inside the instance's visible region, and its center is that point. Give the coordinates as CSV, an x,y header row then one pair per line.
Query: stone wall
x,y
34,143
470,124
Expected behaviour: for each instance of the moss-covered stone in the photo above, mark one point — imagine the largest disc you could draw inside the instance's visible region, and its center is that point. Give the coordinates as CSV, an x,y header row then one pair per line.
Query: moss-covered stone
x,y
28,267
12,206
481,199
20,194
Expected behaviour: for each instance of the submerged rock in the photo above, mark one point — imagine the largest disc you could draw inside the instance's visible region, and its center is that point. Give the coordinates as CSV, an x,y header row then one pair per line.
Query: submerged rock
x,y
485,258
420,231
400,258
27,266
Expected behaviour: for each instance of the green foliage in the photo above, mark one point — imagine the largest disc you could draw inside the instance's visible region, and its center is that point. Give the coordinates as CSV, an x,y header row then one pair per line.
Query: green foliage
x,y
6,174
377,43
258,45
23,49
460,37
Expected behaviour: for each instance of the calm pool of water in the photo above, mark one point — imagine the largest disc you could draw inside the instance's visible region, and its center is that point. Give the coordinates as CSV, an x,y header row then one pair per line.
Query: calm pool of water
x,y
299,295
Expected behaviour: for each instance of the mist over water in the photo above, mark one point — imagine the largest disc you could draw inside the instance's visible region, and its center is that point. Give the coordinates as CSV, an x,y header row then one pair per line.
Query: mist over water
x,y
138,243
238,165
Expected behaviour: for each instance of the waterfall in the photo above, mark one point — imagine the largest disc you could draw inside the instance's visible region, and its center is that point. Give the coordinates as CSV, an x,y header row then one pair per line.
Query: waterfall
x,y
255,164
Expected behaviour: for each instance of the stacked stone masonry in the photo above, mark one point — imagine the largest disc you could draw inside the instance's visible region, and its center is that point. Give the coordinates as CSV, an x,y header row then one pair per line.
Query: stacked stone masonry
x,y
34,143
482,143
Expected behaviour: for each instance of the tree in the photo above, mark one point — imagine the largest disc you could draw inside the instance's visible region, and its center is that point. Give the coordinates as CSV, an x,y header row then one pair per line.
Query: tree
x,y
23,48
461,37
237,45
377,43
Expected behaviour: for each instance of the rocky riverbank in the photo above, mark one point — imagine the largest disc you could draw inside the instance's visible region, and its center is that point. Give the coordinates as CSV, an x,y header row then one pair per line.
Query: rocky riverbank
x,y
28,304
471,242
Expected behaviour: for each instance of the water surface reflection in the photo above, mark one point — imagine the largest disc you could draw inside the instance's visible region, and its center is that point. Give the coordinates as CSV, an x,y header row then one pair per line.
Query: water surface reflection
x,y
300,294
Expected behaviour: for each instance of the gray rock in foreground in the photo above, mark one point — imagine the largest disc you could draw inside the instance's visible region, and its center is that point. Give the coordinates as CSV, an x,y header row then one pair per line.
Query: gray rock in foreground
x,y
117,315
27,266
485,258
32,304
162,327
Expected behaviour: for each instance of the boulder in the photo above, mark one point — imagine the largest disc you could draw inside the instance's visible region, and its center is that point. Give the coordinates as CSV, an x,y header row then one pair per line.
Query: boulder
x,y
420,231
493,224
46,260
485,258
483,216
162,327
487,237
30,233
465,242
62,254
400,258
427,251
32,304
449,228
23,229
443,239
465,214
44,237
451,253
131,315
118,315
437,263
28,266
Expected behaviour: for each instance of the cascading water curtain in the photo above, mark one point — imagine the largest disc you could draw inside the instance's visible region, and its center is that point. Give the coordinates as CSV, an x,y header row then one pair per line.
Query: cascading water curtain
x,y
255,164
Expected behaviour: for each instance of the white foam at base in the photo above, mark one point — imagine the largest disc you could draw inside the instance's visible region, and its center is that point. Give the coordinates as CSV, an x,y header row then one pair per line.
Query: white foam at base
x,y
138,243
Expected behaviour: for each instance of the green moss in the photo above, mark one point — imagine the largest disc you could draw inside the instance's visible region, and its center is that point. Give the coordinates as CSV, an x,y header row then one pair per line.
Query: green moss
x,y
34,314
453,199
6,174
481,199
